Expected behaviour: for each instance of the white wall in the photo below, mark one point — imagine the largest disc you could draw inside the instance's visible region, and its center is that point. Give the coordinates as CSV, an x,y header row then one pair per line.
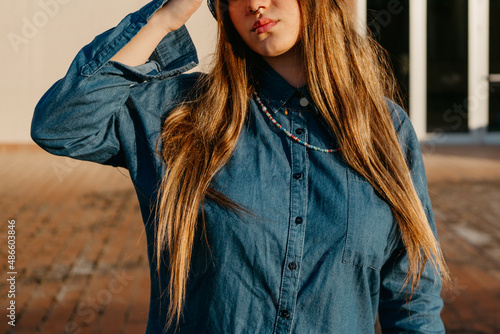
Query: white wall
x,y
41,37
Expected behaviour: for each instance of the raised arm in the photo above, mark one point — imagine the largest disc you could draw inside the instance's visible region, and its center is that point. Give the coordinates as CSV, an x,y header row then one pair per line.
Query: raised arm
x,y
92,112
170,17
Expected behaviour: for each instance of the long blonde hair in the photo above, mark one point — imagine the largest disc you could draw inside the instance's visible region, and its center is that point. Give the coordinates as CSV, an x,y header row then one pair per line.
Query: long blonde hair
x,y
348,79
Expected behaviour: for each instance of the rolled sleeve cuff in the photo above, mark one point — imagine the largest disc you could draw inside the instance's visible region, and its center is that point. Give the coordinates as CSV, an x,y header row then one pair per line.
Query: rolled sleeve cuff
x,y
175,54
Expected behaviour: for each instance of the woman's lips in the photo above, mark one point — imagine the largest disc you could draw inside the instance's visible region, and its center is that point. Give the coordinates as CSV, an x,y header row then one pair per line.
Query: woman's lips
x,y
263,25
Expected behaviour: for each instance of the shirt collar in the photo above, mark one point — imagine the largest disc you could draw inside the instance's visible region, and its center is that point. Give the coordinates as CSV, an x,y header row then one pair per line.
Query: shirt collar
x,y
274,90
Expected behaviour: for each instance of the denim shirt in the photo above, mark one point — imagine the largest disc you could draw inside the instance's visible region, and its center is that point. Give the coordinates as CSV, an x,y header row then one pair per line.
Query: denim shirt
x,y
320,251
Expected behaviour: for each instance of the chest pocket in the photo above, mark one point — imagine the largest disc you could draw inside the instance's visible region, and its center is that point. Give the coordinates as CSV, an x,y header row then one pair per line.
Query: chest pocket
x,y
370,223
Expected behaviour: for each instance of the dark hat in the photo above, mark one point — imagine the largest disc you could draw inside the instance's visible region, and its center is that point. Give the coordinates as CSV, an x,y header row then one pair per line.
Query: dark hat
x,y
211,6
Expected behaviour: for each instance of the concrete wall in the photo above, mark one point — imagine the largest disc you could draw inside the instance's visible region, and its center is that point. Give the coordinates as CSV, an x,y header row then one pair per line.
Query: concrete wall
x,y
39,38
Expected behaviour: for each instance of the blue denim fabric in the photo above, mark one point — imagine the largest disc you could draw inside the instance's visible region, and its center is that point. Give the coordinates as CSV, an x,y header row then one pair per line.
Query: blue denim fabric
x,y
320,252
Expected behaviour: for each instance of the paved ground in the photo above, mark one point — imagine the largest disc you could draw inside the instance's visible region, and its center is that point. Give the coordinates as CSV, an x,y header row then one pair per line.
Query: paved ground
x,y
81,256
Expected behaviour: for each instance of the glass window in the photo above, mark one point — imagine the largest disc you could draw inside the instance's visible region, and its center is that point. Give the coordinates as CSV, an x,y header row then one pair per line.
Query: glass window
x,y
494,119
389,23
447,56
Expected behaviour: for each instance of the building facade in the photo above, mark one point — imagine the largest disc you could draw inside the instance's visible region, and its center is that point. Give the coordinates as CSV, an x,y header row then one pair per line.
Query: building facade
x,y
445,53
446,56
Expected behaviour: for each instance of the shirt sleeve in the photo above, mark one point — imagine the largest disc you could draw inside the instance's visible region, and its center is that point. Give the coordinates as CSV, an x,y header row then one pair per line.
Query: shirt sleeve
x,y
80,114
397,312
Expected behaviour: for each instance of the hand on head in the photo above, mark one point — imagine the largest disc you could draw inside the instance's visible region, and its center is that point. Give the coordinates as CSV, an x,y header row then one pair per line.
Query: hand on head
x,y
175,13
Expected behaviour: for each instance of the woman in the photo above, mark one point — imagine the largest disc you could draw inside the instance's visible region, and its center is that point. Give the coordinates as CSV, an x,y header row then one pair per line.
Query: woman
x,y
288,194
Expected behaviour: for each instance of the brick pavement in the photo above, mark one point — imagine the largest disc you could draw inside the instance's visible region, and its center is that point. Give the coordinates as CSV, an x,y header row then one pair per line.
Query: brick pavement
x,y
81,253
464,186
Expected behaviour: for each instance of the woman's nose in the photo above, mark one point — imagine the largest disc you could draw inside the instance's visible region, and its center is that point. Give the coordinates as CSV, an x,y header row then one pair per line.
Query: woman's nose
x,y
256,6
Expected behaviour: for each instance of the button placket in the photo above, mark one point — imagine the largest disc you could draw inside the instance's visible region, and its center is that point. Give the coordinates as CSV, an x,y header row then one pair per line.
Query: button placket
x,y
296,234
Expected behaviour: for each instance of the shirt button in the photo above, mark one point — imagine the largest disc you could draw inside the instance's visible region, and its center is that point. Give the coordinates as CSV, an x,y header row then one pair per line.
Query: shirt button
x,y
298,220
285,314
299,131
297,176
292,266
303,102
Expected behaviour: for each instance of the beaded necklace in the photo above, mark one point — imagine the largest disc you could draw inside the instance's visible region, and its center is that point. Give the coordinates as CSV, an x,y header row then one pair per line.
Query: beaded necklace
x,y
288,133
